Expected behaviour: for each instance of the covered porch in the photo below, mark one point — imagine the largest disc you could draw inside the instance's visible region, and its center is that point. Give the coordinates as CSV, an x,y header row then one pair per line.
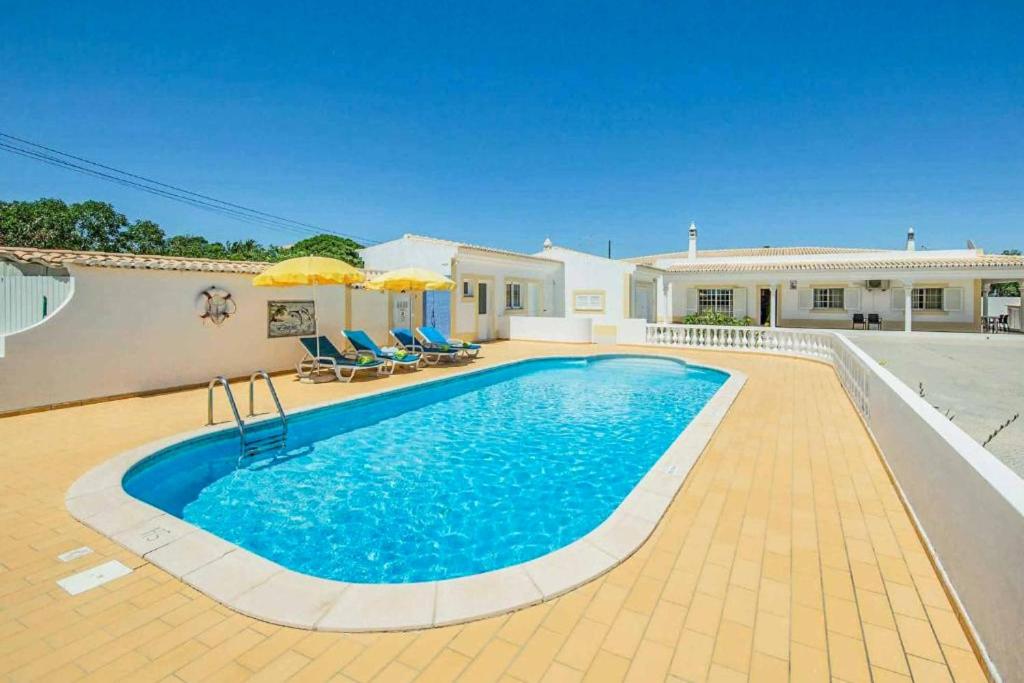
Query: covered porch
x,y
886,301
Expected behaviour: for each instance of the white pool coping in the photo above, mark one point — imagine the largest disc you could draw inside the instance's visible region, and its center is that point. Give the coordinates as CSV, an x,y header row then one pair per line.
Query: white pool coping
x,y
255,586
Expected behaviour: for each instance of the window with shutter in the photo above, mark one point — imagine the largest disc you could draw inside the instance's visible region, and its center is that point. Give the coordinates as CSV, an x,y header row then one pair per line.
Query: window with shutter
x,y
953,299
898,298
828,297
852,298
691,300
739,303
715,300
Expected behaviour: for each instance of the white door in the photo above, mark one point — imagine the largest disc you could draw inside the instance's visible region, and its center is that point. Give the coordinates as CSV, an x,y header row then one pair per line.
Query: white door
x,y
483,311
644,303
532,299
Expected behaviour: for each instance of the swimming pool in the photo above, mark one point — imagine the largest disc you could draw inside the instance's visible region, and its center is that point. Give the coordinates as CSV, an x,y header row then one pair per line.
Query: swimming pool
x,y
442,480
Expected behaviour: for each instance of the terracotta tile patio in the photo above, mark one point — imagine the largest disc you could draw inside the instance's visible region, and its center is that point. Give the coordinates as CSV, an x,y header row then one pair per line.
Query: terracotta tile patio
x,y
786,556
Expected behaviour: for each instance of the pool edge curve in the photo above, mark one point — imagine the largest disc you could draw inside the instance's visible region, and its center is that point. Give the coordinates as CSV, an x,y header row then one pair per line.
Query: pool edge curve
x,y
265,590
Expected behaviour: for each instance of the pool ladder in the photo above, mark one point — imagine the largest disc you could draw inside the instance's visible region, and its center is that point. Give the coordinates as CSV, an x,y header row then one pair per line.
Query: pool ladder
x,y
253,441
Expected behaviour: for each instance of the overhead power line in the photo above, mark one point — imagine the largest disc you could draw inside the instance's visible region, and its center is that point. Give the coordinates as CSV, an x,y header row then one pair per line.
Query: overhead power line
x,y
48,155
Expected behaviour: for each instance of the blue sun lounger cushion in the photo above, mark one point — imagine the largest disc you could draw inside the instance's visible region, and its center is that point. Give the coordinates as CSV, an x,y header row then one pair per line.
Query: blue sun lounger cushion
x,y
361,341
432,353
433,336
331,358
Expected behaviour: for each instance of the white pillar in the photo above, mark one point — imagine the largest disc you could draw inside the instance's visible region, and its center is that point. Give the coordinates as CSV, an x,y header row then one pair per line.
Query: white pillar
x,y
771,306
908,311
659,299
668,303
986,292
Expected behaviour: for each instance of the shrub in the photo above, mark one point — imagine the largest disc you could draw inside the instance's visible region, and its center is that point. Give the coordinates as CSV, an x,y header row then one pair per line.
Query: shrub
x,y
713,318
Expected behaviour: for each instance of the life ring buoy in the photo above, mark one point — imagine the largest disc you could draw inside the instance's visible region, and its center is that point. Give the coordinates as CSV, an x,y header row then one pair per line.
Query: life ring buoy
x,y
215,304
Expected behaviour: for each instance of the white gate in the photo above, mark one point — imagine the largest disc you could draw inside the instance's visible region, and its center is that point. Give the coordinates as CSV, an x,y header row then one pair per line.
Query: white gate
x,y
27,299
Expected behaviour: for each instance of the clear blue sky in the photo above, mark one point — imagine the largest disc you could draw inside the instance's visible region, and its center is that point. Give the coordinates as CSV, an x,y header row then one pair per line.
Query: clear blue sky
x,y
823,123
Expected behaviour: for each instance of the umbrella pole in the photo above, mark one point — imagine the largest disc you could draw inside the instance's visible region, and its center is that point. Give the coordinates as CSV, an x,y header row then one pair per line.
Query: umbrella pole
x,y
316,326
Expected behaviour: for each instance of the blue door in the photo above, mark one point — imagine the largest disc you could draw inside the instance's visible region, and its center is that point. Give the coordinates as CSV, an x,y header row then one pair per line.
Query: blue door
x,y
437,310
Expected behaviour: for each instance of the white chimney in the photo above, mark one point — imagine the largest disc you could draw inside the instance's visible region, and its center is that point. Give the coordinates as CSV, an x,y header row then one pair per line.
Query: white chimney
x,y
910,239
693,240
547,244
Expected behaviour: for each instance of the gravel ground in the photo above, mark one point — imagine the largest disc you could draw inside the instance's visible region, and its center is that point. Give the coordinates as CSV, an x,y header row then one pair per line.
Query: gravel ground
x,y
978,378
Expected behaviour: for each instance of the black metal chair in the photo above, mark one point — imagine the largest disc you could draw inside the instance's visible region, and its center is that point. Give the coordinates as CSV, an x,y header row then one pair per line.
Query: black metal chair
x,y
874,319
858,319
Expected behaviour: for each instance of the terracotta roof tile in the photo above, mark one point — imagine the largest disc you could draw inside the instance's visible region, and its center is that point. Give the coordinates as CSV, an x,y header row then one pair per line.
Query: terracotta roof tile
x,y
474,247
754,251
880,263
59,258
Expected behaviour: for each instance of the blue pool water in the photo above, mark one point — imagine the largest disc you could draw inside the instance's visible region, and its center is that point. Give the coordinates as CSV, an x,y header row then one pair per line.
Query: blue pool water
x,y
459,477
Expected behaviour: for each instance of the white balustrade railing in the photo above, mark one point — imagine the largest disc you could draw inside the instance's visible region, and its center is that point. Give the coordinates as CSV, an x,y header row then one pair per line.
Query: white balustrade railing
x,y
942,473
816,344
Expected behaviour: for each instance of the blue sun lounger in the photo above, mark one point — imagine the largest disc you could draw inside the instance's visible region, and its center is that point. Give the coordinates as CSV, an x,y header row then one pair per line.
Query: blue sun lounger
x,y
329,358
431,354
361,341
432,335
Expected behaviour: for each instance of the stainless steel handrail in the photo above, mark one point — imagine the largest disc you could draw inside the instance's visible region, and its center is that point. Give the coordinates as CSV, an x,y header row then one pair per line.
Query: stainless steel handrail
x,y
223,381
273,395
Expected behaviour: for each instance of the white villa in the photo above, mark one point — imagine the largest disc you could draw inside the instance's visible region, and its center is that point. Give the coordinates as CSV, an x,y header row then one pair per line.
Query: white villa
x,y
800,287
136,308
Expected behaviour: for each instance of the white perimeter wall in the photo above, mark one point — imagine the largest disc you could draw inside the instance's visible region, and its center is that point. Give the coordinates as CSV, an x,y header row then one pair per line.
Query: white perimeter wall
x,y
567,330
126,331
997,304
589,273
969,504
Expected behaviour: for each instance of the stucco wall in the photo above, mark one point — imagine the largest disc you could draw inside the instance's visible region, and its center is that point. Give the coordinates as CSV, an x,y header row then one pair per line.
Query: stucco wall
x,y
496,272
789,313
997,304
126,331
881,302
403,253
590,273
368,311
565,330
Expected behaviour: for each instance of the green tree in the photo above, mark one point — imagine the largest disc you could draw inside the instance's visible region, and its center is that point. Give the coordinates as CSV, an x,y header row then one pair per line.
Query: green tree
x,y
98,225
42,224
142,237
250,250
1007,288
341,248
51,224
188,246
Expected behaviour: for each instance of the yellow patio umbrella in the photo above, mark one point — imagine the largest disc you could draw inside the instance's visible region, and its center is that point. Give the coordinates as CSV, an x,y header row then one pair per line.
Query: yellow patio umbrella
x,y
410,280
304,271
309,270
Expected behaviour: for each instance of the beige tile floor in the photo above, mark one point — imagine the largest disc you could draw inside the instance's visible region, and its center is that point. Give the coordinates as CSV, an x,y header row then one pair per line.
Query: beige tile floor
x,y
786,556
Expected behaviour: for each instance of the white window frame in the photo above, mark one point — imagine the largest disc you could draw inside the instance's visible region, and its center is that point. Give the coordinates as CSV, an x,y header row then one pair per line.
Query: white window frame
x,y
588,301
926,299
716,300
468,289
513,296
829,298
